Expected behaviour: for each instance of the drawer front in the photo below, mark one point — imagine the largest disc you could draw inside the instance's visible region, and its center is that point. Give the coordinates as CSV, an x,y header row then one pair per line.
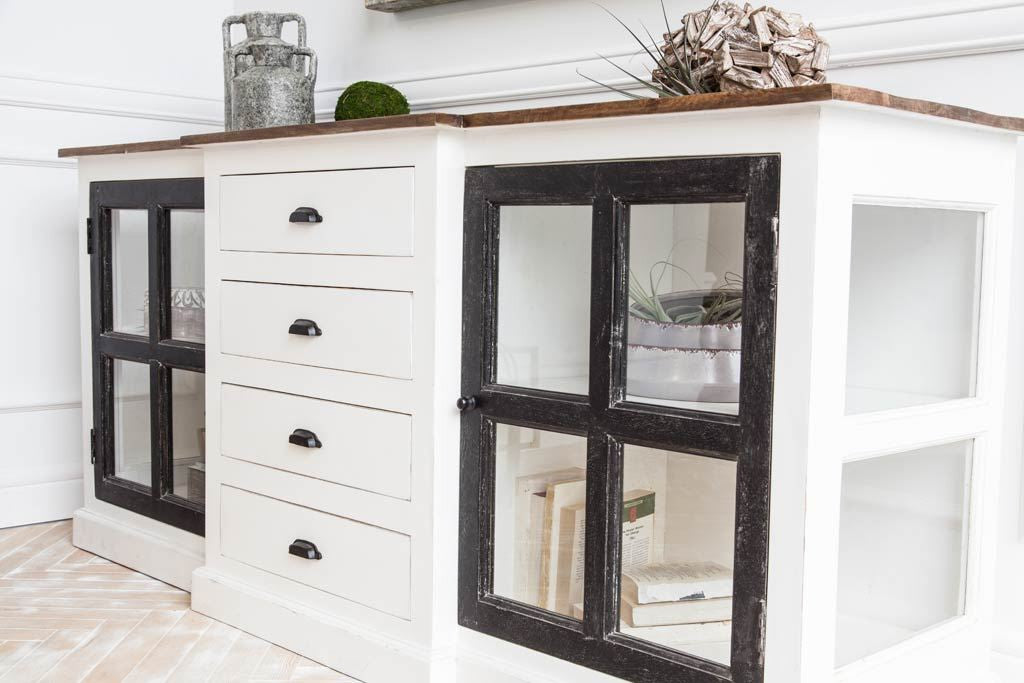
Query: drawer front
x,y
362,563
362,330
365,212
359,447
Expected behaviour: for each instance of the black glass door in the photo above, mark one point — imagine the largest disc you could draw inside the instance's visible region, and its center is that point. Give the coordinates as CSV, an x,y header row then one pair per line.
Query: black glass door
x,y
148,324
616,439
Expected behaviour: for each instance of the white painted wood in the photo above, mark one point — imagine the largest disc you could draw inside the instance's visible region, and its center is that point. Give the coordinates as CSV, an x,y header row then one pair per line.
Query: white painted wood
x,y
127,544
363,331
362,448
366,211
30,503
360,562
348,646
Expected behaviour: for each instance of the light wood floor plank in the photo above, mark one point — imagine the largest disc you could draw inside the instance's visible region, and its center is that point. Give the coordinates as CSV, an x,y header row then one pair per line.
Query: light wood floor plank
x,y
80,572
206,654
112,603
72,591
91,585
159,664
25,633
27,551
77,556
242,659
69,616
12,652
50,624
89,653
44,657
277,664
116,665
19,536
308,670
50,555
71,613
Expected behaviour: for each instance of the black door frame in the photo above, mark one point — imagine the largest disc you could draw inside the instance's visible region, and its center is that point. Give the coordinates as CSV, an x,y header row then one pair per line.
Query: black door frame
x,y
158,350
606,419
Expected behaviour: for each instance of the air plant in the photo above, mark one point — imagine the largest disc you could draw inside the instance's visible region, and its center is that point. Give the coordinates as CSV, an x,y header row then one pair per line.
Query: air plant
x,y
674,75
720,306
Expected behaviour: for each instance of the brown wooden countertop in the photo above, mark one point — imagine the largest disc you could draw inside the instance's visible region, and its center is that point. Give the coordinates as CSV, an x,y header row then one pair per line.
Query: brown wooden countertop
x,y
713,101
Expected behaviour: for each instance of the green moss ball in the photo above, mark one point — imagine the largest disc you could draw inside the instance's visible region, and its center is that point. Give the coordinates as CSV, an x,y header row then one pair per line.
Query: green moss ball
x,y
367,99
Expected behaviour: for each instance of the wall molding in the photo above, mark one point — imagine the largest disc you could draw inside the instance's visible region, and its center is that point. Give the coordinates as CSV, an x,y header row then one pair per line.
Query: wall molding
x,y
858,21
43,163
583,87
110,111
104,85
39,407
555,78
43,92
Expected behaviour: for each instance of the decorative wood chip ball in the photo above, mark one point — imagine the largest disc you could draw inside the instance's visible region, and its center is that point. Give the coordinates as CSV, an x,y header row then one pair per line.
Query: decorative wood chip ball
x,y
730,48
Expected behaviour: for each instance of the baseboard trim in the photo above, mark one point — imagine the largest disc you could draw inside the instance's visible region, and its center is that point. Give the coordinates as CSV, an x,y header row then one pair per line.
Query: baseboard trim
x,y
347,647
34,503
140,550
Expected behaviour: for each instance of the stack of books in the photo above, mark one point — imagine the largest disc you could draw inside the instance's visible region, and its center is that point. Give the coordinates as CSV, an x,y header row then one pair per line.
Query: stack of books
x,y
551,537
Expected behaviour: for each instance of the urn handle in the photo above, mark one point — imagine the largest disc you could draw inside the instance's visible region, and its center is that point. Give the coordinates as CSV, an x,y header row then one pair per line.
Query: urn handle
x,y
301,21
226,28
308,52
232,61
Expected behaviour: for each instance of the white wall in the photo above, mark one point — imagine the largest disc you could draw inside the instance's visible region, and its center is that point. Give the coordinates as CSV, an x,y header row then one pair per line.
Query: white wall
x,y
74,74
115,70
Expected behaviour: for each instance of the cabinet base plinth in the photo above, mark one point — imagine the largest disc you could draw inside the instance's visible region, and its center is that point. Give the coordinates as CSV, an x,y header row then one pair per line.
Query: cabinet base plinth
x,y
132,547
370,657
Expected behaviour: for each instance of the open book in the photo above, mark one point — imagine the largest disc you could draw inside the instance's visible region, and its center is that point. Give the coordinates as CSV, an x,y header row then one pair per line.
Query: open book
x,y
668,582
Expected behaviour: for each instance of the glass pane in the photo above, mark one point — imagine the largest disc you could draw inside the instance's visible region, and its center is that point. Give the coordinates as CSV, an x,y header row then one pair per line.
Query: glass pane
x,y
914,291
188,417
132,444
129,233
188,302
539,496
902,546
678,537
686,300
544,297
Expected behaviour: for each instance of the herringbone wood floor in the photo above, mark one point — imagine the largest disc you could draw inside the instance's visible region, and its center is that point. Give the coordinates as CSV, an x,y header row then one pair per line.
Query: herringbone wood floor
x,y
67,615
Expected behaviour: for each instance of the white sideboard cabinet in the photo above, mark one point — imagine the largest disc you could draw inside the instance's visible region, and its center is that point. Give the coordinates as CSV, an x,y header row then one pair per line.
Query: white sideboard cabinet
x,y
707,389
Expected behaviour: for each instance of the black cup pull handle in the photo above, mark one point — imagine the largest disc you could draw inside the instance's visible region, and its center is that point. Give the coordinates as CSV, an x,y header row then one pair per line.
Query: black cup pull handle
x,y
304,438
305,214
304,549
305,328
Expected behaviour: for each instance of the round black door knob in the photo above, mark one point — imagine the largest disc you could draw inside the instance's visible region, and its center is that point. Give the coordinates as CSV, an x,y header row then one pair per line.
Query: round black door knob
x,y
466,403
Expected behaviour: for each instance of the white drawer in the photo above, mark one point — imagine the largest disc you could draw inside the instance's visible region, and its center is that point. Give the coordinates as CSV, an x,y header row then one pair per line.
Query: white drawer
x,y
365,212
360,447
363,330
362,563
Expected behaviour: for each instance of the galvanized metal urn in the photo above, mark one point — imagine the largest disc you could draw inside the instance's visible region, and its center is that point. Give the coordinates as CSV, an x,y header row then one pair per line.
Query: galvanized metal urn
x,y
266,79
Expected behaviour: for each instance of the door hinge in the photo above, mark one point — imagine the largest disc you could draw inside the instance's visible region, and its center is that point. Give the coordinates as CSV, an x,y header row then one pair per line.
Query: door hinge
x,y
92,446
88,235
